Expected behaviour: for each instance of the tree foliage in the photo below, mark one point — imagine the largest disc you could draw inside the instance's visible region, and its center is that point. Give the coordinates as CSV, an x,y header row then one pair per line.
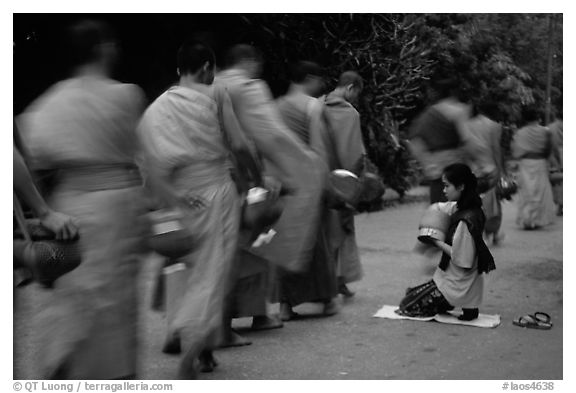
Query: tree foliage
x,y
499,58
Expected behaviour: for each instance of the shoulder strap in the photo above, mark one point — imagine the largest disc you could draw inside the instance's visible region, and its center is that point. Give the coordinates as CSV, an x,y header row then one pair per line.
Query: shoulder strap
x,y
236,139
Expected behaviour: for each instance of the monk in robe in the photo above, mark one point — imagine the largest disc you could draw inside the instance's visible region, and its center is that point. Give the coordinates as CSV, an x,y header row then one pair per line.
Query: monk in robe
x,y
557,163
487,134
439,136
532,146
287,159
83,128
302,113
345,137
188,163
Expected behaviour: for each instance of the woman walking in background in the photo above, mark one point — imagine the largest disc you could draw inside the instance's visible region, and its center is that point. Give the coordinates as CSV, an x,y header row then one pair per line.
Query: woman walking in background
x,y
532,146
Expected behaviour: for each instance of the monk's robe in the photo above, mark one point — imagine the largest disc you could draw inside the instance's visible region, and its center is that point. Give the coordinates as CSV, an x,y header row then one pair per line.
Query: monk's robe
x,y
345,135
288,160
84,129
532,146
181,134
439,137
487,134
557,160
302,114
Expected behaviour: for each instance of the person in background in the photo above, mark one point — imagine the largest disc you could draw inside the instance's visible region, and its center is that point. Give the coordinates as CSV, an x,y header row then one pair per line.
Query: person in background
x,y
440,136
487,134
344,132
287,160
302,113
557,163
84,128
532,146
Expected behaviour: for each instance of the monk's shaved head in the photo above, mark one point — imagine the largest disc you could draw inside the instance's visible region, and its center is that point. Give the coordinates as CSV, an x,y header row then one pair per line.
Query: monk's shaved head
x,y
351,78
192,56
243,52
84,38
303,69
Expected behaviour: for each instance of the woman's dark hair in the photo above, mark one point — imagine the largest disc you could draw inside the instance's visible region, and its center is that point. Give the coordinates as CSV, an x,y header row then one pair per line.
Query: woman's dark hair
x,y
192,55
461,174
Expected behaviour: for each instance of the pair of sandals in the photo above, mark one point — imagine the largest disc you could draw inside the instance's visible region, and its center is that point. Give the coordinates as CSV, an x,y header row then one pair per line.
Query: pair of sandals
x,y
538,320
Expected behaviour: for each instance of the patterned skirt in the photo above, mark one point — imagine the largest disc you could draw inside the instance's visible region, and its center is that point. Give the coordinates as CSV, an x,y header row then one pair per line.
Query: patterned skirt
x,y
425,300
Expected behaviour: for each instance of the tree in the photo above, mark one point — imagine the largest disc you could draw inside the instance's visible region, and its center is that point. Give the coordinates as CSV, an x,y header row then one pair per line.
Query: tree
x,y
497,58
384,48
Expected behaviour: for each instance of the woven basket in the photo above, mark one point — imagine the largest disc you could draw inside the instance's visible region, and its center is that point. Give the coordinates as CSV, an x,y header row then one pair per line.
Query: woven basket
x,y
35,248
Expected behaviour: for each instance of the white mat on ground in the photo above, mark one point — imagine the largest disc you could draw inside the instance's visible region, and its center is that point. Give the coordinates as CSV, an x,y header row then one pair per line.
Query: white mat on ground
x,y
483,320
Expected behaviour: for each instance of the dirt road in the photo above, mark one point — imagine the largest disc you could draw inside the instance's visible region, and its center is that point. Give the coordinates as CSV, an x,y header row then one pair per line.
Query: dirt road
x,y
354,345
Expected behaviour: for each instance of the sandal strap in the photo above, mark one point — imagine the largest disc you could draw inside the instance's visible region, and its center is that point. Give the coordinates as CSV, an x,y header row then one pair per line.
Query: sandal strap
x,y
544,317
528,319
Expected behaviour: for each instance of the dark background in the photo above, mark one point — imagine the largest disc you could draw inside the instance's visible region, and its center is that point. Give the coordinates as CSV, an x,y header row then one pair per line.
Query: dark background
x,y
148,42
496,58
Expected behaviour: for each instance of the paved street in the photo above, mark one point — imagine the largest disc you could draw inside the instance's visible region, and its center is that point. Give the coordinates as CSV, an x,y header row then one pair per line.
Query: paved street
x,y
354,345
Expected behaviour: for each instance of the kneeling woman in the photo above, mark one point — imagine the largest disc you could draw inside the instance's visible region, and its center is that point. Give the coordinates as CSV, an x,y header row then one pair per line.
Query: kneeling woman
x,y
458,280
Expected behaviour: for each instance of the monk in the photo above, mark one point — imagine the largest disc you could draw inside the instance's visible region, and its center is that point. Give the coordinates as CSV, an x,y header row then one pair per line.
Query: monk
x,y
557,163
188,159
532,146
302,113
286,159
343,121
84,128
439,136
487,134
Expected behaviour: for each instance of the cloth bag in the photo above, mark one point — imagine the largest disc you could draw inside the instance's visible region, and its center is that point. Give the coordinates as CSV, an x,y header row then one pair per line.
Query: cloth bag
x,y
371,187
346,189
260,208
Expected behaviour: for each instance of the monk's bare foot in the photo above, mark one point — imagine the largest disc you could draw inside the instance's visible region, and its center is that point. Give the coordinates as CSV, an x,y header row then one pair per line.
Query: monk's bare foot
x,y
207,361
330,308
264,322
189,366
286,312
172,344
344,291
233,339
